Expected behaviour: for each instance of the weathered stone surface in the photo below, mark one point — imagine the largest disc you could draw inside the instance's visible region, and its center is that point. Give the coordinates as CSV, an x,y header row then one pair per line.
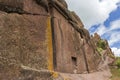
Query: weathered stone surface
x,y
45,36
22,40
22,7
67,42
13,3
107,50
63,3
20,72
96,37
76,17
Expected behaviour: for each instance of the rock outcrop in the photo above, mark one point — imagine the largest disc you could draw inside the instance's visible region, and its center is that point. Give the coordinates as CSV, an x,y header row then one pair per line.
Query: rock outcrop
x,y
41,38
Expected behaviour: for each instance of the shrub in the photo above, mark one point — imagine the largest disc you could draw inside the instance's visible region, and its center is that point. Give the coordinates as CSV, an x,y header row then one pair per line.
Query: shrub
x,y
99,50
101,44
111,55
117,62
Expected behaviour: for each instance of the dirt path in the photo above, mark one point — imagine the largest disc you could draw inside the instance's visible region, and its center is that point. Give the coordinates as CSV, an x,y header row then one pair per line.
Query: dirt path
x,y
101,75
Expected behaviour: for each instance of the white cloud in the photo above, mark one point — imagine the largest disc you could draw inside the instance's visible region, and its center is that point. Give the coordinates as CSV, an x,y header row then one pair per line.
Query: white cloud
x,y
113,32
101,30
114,35
113,26
116,51
92,12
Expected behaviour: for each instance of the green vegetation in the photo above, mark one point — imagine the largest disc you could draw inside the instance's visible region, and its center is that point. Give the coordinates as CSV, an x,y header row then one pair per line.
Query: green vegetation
x,y
99,50
101,44
115,74
117,62
116,71
111,55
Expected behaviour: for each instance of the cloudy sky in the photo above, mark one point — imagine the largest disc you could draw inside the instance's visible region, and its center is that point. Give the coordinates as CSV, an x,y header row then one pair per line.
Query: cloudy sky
x,y
101,16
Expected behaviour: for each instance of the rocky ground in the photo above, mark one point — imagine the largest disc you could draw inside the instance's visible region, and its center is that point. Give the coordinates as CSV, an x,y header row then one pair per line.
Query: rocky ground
x,y
101,75
27,73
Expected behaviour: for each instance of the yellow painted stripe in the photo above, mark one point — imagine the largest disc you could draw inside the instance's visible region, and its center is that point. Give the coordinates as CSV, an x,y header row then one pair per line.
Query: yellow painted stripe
x,y
49,44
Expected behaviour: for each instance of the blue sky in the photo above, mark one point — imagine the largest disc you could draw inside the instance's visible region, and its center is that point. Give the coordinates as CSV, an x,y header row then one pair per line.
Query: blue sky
x,y
102,17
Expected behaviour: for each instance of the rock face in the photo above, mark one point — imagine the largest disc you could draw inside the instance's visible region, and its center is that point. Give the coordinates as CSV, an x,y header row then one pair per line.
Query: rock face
x,y
38,37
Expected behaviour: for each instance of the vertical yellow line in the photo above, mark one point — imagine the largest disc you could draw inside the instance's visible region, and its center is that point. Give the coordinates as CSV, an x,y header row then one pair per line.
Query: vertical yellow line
x,y
49,44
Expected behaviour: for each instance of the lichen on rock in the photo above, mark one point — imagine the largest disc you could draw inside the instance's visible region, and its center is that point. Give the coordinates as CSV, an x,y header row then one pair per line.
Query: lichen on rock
x,y
43,40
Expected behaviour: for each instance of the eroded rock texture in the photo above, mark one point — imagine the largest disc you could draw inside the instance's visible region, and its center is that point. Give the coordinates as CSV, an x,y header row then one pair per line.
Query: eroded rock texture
x,y
38,37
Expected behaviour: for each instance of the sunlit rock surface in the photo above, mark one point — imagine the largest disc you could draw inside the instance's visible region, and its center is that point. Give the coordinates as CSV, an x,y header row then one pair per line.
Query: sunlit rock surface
x,y
43,40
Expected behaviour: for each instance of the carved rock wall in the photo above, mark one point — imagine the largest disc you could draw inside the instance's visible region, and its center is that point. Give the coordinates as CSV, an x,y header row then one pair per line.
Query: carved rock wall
x,y
44,35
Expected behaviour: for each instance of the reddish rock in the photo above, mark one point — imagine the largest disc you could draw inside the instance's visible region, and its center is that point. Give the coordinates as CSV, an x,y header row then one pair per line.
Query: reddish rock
x,y
44,35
